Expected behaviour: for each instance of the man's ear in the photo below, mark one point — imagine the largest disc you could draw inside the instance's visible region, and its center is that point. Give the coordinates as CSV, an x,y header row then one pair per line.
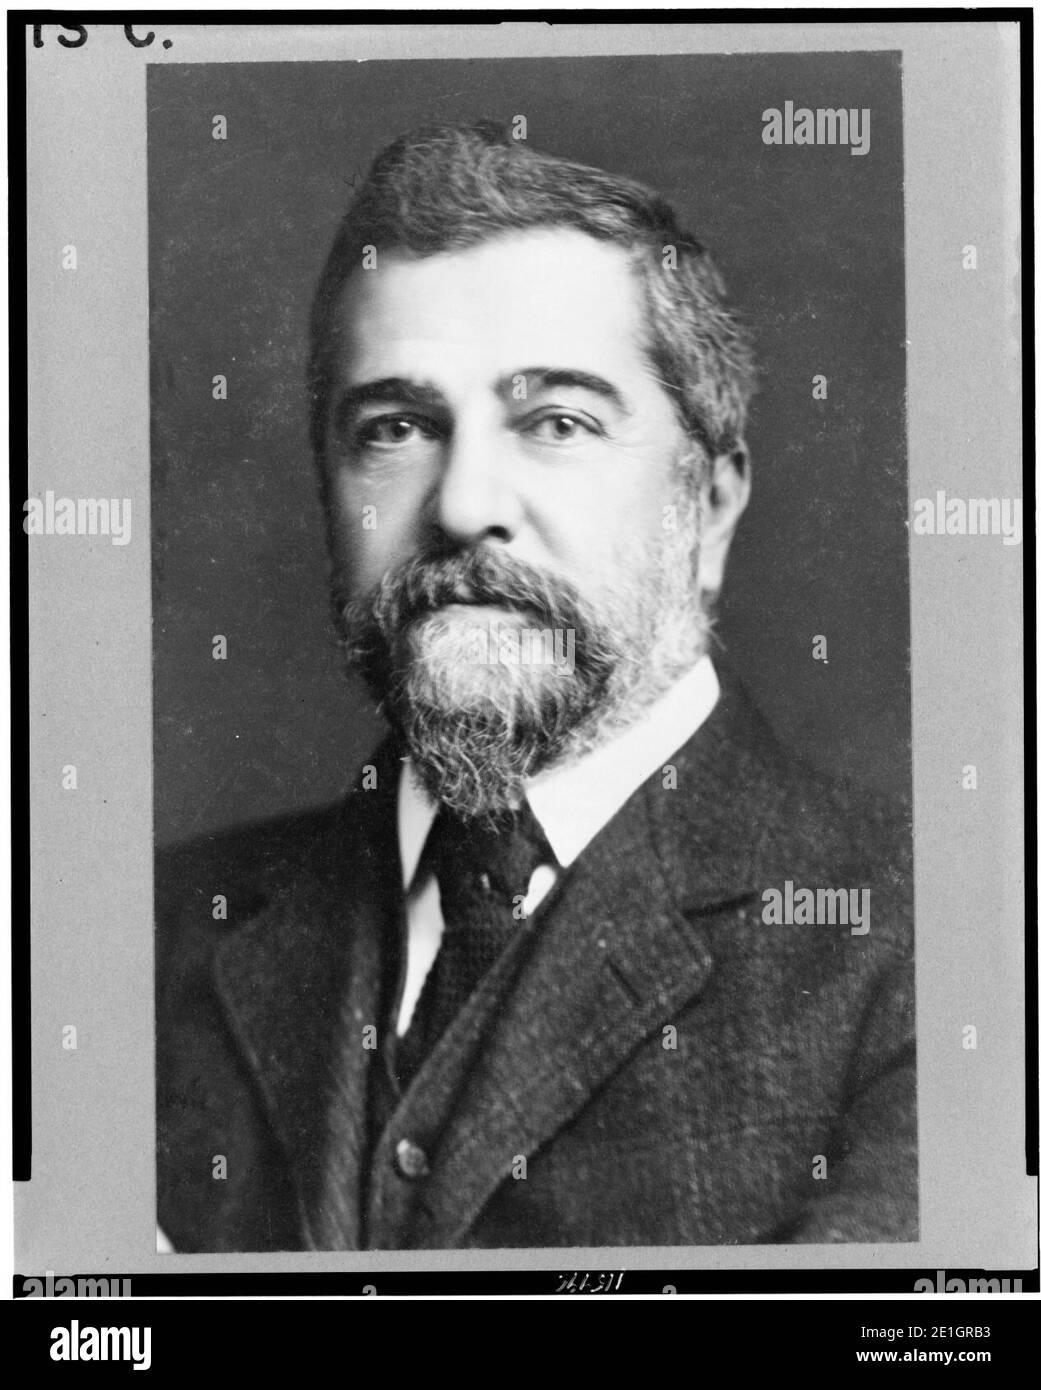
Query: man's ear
x,y
725,491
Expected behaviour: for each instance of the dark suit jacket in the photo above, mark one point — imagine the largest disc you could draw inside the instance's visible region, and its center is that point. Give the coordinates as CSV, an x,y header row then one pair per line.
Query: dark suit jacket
x,y
784,1111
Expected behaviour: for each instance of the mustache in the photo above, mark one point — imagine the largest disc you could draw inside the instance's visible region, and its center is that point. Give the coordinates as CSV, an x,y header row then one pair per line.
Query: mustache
x,y
480,576
474,742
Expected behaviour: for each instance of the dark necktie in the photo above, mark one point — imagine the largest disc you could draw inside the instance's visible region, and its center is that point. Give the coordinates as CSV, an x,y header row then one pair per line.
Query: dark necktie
x,y
480,872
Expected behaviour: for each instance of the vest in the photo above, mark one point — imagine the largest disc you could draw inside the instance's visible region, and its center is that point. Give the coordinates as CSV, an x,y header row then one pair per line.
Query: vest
x,y
413,1154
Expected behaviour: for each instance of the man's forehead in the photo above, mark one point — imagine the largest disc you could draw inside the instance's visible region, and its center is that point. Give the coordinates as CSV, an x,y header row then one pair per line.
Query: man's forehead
x,y
547,295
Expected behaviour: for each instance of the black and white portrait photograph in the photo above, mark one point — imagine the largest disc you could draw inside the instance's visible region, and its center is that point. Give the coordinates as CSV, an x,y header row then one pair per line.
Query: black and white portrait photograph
x,y
524,534
577,945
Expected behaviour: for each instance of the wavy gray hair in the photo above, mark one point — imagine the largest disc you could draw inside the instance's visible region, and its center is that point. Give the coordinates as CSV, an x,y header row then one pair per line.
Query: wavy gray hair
x,y
451,187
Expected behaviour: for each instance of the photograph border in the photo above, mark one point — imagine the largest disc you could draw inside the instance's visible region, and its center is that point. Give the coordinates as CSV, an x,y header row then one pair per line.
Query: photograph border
x,y
89,613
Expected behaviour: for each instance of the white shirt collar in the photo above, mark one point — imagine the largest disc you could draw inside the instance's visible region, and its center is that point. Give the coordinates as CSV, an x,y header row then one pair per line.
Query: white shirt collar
x,y
575,801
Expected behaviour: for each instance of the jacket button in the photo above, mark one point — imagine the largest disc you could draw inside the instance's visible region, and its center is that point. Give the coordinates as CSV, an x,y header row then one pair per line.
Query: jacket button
x,y
411,1160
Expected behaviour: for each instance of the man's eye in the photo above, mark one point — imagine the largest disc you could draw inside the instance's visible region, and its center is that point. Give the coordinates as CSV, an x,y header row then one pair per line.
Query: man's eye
x,y
560,428
392,431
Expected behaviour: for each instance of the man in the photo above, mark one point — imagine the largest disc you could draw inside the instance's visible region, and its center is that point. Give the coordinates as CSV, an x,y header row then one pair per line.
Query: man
x,y
529,985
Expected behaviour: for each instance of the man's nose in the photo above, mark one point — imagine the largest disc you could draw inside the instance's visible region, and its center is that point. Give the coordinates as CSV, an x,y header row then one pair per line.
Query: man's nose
x,y
474,496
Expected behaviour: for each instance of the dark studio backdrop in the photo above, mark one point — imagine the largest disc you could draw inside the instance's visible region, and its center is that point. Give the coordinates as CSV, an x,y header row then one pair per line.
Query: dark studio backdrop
x,y
810,243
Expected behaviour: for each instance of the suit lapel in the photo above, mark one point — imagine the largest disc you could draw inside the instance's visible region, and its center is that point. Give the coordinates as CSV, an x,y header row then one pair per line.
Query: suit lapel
x,y
621,950
301,982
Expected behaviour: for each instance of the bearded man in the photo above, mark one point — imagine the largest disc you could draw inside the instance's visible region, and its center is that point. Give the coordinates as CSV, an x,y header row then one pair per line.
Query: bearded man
x,y
521,988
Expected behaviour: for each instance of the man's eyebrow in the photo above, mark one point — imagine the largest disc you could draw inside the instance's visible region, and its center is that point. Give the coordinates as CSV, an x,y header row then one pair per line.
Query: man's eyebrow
x,y
391,390
546,378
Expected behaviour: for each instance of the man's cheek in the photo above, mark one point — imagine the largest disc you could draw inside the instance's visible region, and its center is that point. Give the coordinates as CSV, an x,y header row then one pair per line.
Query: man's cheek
x,y
370,539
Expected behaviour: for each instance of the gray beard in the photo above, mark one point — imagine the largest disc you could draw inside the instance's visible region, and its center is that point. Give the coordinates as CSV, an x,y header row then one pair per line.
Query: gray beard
x,y
477,730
